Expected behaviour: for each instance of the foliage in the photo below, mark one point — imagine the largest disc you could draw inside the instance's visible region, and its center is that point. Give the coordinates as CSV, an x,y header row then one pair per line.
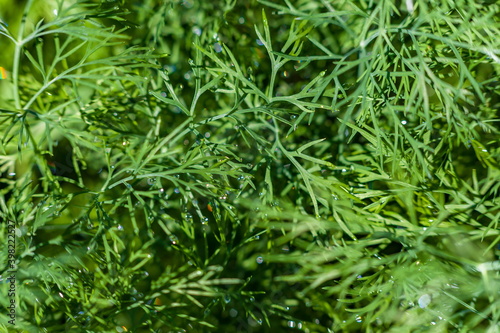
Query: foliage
x,y
270,166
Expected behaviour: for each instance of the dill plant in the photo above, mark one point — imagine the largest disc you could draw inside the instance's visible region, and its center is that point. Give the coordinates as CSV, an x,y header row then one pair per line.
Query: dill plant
x,y
251,166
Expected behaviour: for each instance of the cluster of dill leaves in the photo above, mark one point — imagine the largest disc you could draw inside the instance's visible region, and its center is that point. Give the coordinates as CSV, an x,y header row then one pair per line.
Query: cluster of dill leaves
x,y
250,166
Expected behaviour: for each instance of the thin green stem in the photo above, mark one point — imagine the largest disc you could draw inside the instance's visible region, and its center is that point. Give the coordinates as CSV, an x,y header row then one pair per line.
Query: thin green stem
x,y
273,78
17,55
15,75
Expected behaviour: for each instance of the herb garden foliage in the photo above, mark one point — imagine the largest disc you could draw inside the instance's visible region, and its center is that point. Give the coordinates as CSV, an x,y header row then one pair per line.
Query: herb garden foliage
x,y
270,166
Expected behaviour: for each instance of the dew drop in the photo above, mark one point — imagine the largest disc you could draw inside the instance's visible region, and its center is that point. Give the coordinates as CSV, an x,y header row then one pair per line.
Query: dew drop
x,y
176,190
424,301
197,31
227,299
259,260
217,47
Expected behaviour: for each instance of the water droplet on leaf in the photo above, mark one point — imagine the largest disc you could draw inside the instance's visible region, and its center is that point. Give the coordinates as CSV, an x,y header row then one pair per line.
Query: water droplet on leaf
x,y
424,301
217,47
